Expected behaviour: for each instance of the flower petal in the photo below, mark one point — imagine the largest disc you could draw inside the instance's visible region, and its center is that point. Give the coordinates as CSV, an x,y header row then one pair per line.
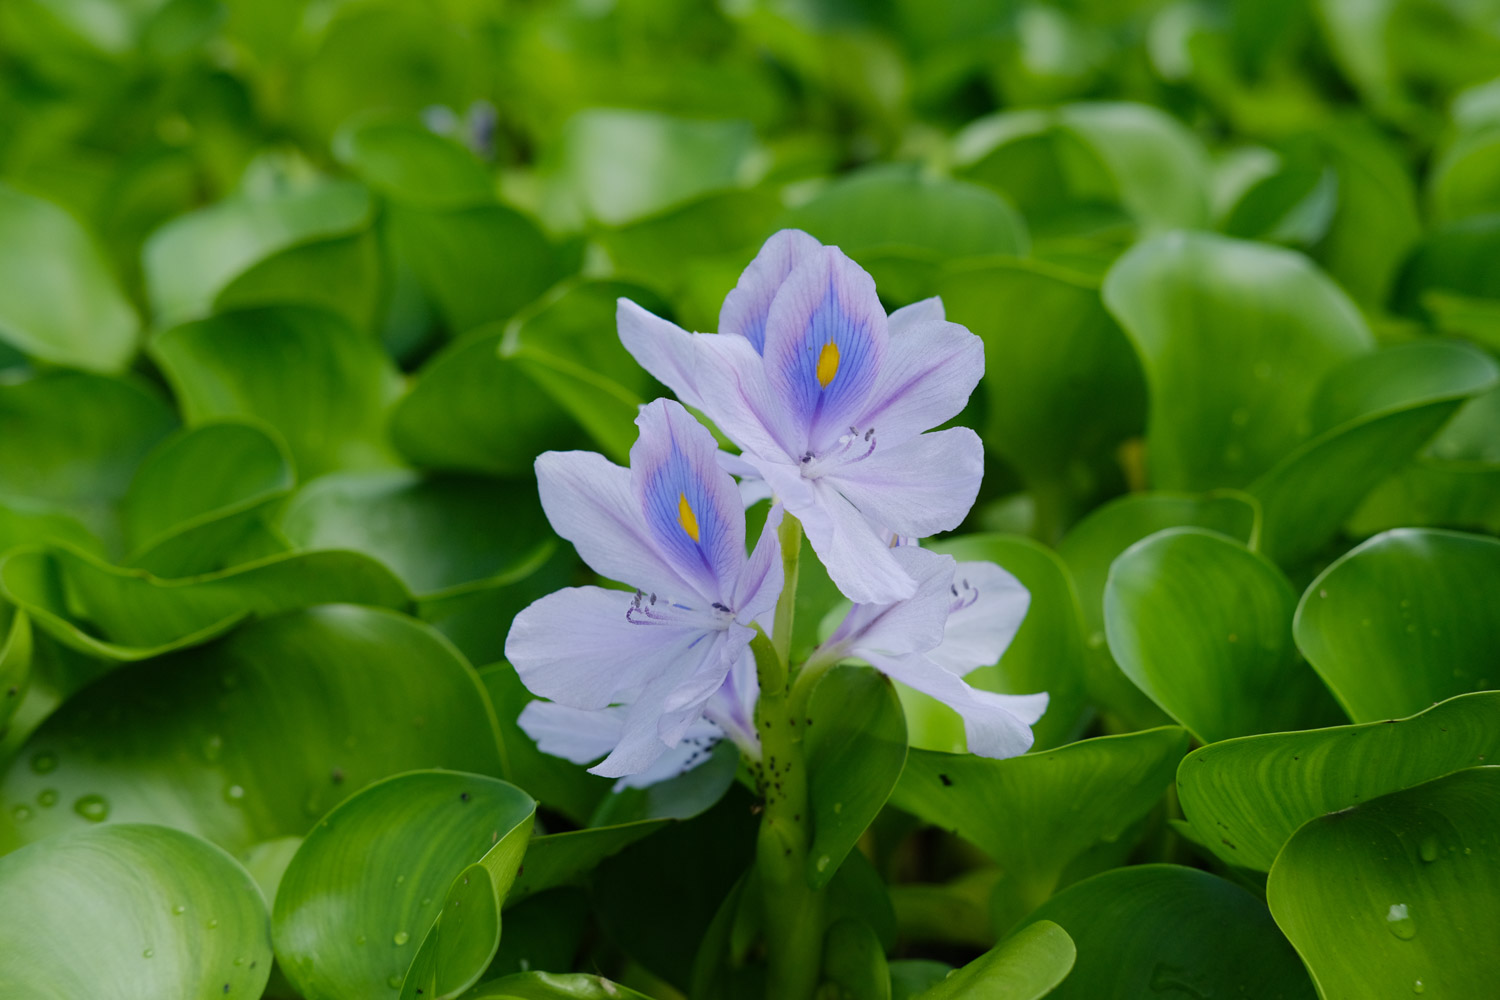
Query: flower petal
x,y
590,502
753,486
745,308
993,605
732,707
731,379
692,507
906,317
857,558
664,349
996,725
913,625
918,488
695,747
826,340
759,585
577,734
576,647
927,377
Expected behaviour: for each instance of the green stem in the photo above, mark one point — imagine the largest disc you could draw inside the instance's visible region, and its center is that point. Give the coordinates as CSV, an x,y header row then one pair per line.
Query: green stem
x,y
791,551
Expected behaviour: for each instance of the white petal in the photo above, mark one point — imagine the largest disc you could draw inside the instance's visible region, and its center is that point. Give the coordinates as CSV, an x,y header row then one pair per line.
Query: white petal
x,y
996,725
664,349
760,582
856,555
926,311
914,625
576,734
979,632
919,488
926,379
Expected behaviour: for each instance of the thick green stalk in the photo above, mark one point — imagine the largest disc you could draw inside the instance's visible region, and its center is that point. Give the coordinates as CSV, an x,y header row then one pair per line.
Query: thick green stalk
x,y
791,552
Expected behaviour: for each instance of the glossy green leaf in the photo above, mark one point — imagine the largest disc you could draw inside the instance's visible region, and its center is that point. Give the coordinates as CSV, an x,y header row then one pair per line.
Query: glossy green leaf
x,y
1462,182
552,986
911,976
1403,621
567,343
1390,894
408,163
1248,796
323,385
1062,386
905,228
1235,339
854,965
15,661
128,614
74,440
1203,626
200,494
373,876
557,859
1153,930
342,275
617,166
1027,965
1430,493
1047,653
255,736
1036,814
471,410
191,259
59,303
479,264
1369,417
130,912
854,744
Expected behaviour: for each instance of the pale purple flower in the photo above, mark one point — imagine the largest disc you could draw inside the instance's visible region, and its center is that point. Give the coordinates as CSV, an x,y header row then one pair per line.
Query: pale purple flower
x,y
671,526
962,616
828,400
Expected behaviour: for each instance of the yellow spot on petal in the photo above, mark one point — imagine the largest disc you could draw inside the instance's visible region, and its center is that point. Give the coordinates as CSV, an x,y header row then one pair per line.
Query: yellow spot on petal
x,y
828,363
685,517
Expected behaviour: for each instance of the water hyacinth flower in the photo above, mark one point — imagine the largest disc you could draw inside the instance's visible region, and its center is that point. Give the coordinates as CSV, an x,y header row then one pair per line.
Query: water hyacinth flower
x,y
828,399
671,526
962,616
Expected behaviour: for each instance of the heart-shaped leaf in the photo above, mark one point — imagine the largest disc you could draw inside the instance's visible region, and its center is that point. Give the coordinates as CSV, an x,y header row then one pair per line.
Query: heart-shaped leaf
x,y
131,912
1027,965
1390,894
1248,796
1403,621
15,660
1203,626
550,986
372,886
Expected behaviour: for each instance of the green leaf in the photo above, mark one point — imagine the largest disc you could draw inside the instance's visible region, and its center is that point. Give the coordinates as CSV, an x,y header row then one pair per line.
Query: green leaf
x,y
1203,626
256,736
617,166
1047,653
1081,158
74,440
480,264
472,410
557,859
193,258
1370,416
342,275
128,614
1387,895
1403,621
408,163
567,343
1027,965
552,986
1462,178
371,879
1062,386
1432,493
854,963
131,912
905,228
15,661
1248,796
59,302
323,385
1035,814
199,494
1235,339
1153,930
854,745
1094,544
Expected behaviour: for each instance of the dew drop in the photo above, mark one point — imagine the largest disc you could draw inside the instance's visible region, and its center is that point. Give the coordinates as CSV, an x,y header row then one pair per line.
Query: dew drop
x,y
400,879
1239,417
93,808
21,813
1417,987
427,901
148,953
47,798
178,910
239,961
212,925
213,748
360,940
401,938
1429,848
394,982
234,793
44,762
1400,923
838,807
823,863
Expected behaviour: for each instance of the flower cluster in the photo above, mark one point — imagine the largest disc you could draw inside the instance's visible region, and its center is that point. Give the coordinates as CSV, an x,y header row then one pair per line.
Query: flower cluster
x,y
832,404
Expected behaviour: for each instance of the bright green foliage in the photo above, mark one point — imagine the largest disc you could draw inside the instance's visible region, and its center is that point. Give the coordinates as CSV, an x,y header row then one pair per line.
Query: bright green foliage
x,y
1407,883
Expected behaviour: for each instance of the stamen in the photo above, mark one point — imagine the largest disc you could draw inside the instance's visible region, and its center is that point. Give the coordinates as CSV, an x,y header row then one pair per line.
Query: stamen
x,y
686,518
828,363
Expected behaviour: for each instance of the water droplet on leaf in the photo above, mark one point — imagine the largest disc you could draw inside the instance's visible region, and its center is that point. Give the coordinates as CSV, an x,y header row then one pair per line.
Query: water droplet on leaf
x,y
44,762
1400,923
401,938
93,808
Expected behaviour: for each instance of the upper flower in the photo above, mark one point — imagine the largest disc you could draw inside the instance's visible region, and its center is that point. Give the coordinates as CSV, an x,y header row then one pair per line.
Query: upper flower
x,y
671,526
828,399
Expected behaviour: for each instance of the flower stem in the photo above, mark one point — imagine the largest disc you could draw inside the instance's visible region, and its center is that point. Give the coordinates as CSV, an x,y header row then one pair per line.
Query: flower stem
x,y
790,536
